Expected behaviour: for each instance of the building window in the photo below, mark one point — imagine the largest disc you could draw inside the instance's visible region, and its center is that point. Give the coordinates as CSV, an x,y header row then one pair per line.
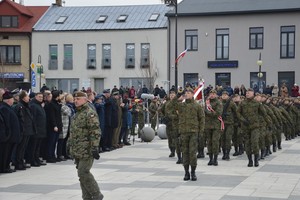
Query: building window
x,y
223,79
61,20
52,56
101,19
222,44
68,57
154,17
91,56
191,40
122,18
130,55
66,85
256,38
106,56
10,54
287,42
9,21
145,55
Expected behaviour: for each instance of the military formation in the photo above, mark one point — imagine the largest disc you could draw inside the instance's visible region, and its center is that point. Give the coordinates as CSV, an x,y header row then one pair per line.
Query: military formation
x,y
254,124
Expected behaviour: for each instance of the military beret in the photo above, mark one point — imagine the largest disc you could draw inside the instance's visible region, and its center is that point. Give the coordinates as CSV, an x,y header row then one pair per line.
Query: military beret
x,y
213,91
250,89
189,90
106,91
236,95
80,94
225,92
7,95
172,92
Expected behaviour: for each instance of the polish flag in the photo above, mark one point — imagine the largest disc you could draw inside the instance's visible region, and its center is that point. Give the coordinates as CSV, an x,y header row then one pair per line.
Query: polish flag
x,y
181,55
198,91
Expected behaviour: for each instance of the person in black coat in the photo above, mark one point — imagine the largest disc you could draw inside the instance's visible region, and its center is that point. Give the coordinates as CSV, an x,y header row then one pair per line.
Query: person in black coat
x,y
54,125
27,128
39,117
9,132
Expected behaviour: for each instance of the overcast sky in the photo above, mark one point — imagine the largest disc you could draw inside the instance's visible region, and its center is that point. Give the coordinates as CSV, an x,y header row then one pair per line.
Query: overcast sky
x,y
90,2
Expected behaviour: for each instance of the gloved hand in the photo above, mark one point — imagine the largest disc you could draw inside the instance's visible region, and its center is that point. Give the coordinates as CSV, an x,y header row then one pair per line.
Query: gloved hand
x,y
96,154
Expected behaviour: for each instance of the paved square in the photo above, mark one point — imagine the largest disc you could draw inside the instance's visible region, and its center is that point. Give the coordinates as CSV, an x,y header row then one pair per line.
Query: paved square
x,y
144,171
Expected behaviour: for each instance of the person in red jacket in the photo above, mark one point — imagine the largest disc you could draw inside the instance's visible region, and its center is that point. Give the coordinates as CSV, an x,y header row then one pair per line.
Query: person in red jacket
x,y
295,90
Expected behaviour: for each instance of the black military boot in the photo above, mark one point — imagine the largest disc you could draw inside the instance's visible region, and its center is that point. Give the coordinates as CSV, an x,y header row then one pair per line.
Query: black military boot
x,y
215,162
236,151
241,149
193,174
256,164
172,154
200,153
187,173
210,159
279,145
179,161
274,147
262,153
224,153
250,163
227,154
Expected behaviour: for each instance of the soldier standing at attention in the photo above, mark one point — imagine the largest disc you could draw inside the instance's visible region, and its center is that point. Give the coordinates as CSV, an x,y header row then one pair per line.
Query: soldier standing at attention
x,y
83,145
191,123
248,111
213,128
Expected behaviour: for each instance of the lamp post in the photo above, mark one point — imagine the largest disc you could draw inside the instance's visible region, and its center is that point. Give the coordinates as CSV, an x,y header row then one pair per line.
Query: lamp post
x,y
174,3
40,69
259,74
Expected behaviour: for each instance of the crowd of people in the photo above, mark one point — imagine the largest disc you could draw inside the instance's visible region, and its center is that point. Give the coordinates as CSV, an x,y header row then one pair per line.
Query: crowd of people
x,y
35,127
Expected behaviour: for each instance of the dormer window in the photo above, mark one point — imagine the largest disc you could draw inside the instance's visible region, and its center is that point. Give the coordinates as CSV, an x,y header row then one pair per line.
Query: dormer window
x,y
154,17
101,19
61,20
122,18
9,21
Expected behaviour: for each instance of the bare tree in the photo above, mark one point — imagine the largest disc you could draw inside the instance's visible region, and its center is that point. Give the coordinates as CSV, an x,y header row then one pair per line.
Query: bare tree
x,y
149,71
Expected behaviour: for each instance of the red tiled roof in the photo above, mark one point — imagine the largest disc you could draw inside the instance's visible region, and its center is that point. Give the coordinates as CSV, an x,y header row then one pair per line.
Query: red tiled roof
x,y
33,13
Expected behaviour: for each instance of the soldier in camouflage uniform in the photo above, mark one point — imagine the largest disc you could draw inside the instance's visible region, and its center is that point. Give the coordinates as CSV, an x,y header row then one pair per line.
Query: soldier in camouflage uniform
x,y
297,105
153,110
169,111
237,137
141,117
213,110
228,116
190,125
83,145
248,112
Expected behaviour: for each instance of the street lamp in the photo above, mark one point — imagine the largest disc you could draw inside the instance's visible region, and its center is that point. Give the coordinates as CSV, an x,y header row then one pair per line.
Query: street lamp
x,y
40,69
259,74
174,3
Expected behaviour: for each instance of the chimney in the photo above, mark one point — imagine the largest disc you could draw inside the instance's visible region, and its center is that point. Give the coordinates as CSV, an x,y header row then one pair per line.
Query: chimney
x,y
59,2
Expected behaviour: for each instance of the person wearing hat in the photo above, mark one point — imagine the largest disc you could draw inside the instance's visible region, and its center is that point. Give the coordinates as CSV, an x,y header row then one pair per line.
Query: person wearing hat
x,y
229,114
248,112
10,133
213,126
27,128
83,145
54,125
169,111
153,111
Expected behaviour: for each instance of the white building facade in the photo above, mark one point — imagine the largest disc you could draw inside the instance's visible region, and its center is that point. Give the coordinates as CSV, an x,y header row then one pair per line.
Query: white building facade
x,y
225,39
100,47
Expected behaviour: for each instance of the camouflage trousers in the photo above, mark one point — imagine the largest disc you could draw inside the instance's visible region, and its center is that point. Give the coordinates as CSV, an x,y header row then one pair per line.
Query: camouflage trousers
x,y
189,146
173,142
153,122
213,140
202,141
262,137
269,136
251,140
226,136
89,186
237,137
141,125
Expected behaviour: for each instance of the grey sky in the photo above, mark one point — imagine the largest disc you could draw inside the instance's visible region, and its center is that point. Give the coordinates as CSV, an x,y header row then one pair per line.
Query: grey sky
x,y
90,2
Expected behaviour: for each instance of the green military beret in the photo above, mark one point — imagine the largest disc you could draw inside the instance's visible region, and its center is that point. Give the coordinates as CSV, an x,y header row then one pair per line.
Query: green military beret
x,y
225,92
213,91
80,94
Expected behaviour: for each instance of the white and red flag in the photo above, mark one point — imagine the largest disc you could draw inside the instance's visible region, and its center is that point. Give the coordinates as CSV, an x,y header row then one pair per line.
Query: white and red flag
x,y
181,55
198,92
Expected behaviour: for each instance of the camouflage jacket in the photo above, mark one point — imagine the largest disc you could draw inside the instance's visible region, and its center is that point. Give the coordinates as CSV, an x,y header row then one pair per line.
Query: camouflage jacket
x,y
229,115
169,111
211,118
191,118
272,115
84,132
249,110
